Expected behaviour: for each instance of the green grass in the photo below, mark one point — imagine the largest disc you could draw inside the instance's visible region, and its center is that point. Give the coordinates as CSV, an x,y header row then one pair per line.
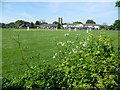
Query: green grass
x,y
38,47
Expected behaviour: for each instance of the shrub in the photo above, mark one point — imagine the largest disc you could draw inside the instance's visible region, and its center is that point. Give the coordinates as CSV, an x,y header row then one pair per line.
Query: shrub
x,y
88,63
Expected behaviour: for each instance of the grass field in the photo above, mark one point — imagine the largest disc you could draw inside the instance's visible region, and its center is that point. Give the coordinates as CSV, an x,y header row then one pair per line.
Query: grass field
x,y
36,46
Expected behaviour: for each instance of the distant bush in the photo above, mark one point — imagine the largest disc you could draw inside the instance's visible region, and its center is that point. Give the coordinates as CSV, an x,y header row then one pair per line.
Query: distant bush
x,y
88,63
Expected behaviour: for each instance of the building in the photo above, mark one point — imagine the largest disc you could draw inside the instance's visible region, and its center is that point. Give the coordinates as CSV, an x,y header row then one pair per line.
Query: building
x,y
47,26
69,25
72,26
91,26
60,20
81,26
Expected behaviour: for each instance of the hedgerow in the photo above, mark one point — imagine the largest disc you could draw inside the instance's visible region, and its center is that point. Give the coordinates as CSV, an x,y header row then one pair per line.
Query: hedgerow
x,y
88,63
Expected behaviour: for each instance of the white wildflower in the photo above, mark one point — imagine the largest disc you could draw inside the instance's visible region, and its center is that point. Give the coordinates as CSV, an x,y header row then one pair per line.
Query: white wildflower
x,y
54,57
73,50
55,54
60,51
77,46
78,34
80,42
70,42
88,39
85,43
98,52
67,34
60,43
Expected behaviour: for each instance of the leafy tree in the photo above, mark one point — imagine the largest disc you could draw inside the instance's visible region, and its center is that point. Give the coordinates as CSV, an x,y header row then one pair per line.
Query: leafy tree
x,y
43,22
104,26
117,24
90,22
26,23
40,22
6,25
77,22
12,24
37,23
59,26
55,22
9,25
117,4
111,27
32,25
2,25
19,22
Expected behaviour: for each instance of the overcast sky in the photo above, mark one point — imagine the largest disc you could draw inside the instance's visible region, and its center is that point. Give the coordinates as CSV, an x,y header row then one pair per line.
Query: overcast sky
x,y
100,12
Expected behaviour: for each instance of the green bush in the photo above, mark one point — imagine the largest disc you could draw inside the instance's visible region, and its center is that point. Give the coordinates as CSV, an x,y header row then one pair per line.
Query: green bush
x,y
88,63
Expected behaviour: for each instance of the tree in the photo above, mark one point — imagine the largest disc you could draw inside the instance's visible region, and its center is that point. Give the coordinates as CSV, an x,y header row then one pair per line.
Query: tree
x,y
40,22
117,24
43,22
111,27
32,25
26,23
19,22
77,22
90,22
55,22
104,26
2,25
12,24
117,4
59,26
37,23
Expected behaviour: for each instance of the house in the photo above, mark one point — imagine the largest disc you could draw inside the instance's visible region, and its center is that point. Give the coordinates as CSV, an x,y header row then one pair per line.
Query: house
x,y
21,26
81,26
47,26
91,26
68,25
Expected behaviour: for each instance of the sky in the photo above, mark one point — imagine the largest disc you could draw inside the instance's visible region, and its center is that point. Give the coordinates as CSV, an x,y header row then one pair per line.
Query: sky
x,y
100,12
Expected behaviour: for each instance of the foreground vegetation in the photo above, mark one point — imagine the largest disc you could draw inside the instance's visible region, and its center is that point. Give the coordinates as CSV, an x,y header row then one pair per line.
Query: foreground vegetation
x,y
81,60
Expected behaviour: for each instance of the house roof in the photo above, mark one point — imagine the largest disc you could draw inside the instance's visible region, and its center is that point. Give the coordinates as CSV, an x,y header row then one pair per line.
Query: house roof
x,y
70,24
47,25
92,24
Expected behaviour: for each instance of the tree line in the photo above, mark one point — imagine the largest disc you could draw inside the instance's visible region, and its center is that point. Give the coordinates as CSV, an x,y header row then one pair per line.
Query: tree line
x,y
22,23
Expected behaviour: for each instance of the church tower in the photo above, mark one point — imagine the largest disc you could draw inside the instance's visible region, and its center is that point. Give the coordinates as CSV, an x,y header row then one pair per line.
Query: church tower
x,y
60,20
